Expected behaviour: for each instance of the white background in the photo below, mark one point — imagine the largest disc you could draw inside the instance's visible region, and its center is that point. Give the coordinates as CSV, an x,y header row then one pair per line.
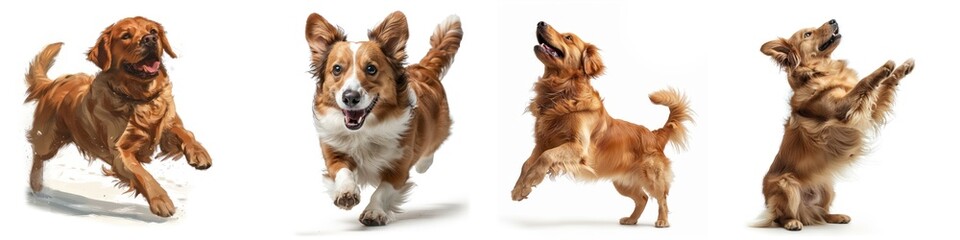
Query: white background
x,y
241,85
639,47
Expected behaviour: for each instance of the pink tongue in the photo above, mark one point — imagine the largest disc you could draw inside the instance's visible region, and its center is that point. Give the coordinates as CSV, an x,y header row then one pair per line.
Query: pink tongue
x,y
353,116
151,68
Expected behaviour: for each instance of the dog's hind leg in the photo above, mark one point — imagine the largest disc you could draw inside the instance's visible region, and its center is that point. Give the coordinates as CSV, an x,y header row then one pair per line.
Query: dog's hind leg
x,y
424,163
888,90
826,199
657,177
639,199
783,200
46,143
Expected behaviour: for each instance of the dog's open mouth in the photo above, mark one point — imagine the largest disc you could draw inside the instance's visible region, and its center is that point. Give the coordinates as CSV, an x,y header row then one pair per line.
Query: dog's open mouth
x,y
545,47
147,68
833,38
353,119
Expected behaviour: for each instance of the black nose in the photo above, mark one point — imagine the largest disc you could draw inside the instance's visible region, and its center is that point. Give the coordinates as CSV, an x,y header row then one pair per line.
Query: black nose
x,y
351,98
541,24
832,22
149,39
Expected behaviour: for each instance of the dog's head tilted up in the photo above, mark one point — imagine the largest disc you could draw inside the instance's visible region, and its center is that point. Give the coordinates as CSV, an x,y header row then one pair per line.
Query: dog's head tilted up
x,y
565,54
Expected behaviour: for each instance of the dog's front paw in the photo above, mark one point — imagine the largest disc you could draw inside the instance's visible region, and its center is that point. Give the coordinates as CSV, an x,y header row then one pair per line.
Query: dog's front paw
x,y
520,192
837,218
628,221
905,68
162,206
347,200
197,156
374,217
793,225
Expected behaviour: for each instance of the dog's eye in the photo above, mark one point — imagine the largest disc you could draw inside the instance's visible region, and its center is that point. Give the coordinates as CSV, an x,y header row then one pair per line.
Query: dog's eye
x,y
153,31
568,37
371,70
807,34
125,36
336,70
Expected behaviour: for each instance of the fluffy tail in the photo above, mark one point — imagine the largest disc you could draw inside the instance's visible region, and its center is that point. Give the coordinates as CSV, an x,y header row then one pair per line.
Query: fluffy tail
x,y
443,46
673,130
37,80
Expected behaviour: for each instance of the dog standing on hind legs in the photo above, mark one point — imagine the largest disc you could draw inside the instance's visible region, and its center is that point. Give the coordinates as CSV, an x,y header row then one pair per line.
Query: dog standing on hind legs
x,y
575,135
120,115
831,112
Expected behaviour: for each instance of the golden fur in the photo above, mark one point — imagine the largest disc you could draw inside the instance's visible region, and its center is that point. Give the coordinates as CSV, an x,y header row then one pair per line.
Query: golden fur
x,y
412,96
575,135
120,115
831,112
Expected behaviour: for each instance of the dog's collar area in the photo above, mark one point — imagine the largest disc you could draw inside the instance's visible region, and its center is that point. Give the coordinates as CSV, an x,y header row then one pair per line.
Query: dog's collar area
x,y
127,98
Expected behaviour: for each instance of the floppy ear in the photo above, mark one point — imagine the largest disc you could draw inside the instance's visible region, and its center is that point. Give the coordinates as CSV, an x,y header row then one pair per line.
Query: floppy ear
x,y
99,54
592,64
781,52
166,44
392,35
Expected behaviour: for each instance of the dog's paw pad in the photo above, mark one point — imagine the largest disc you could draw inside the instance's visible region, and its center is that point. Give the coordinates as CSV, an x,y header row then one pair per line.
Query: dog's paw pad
x,y
661,224
162,206
347,200
838,218
793,225
628,221
374,217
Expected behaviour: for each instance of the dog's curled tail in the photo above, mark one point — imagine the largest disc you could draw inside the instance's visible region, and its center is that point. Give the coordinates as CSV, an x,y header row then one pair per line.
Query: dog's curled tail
x,y
673,131
444,44
37,80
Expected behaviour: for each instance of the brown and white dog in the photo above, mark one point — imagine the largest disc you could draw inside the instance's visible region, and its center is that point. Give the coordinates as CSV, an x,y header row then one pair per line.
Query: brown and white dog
x,y
575,135
376,117
119,115
831,113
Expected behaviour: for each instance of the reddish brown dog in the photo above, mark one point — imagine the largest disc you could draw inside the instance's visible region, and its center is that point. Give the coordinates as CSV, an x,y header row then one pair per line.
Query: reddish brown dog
x,y
120,115
575,135
831,112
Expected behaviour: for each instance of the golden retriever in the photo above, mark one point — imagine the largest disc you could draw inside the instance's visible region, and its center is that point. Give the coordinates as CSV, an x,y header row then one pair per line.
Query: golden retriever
x,y
831,111
376,117
120,115
575,135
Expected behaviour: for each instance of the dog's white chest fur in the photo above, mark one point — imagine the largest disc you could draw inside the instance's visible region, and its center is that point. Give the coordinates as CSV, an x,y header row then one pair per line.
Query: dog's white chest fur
x,y
374,147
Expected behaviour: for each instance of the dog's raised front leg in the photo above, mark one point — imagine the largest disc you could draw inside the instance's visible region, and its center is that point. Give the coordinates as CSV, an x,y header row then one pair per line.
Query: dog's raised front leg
x,y
179,141
888,90
857,105
340,178
567,154
519,191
